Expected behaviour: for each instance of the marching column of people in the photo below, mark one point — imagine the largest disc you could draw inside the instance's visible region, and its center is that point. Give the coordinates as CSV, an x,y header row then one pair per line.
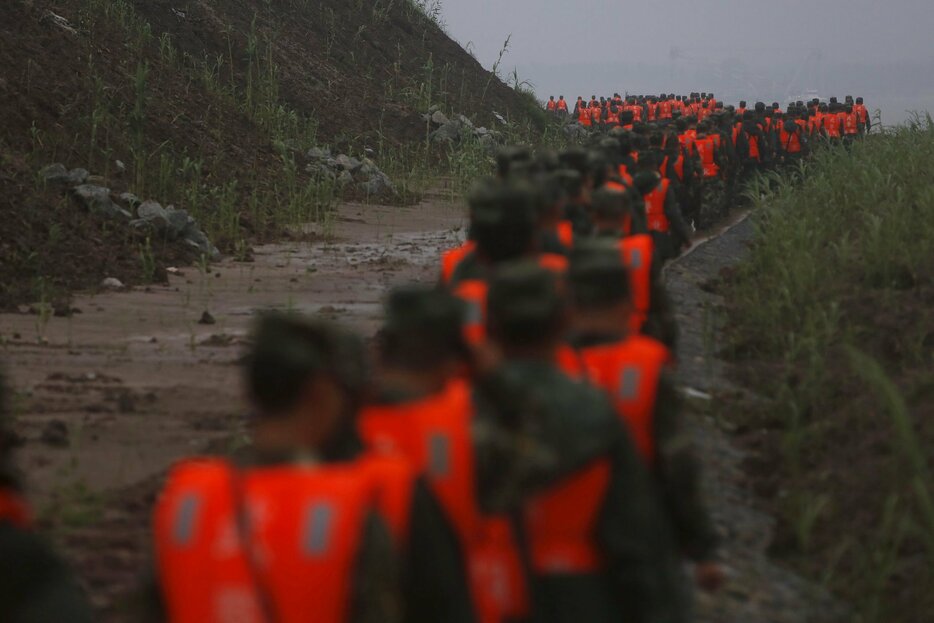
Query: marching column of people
x,y
510,449
707,149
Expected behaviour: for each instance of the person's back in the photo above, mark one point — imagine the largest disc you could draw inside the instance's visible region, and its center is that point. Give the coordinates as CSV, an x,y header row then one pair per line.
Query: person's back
x,y
278,542
594,548
423,410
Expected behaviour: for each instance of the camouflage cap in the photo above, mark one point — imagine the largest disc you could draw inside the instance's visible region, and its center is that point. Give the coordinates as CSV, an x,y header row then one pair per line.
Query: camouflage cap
x,y
607,203
525,303
494,203
288,350
508,157
423,326
597,276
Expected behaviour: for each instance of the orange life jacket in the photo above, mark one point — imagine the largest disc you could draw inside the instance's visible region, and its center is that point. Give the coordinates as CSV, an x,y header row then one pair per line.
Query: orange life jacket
x,y
612,118
687,141
655,208
565,233
705,148
636,112
678,167
434,434
595,113
851,124
474,293
563,105
13,509
451,258
862,113
624,174
636,252
584,116
651,111
664,109
815,123
550,106
629,371
832,125
560,523
791,141
277,542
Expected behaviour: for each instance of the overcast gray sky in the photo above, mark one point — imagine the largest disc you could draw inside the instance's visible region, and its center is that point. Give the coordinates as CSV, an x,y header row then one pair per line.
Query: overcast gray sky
x,y
596,46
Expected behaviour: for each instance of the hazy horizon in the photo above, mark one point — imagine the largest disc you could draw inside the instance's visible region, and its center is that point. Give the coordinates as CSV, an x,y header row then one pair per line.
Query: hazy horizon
x,y
882,52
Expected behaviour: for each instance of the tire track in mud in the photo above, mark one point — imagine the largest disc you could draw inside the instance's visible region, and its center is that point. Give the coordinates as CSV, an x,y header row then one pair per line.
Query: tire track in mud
x,y
758,589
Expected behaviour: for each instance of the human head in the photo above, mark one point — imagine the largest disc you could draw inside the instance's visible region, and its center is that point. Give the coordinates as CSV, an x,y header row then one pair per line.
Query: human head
x,y
503,219
610,210
423,335
526,310
305,380
598,288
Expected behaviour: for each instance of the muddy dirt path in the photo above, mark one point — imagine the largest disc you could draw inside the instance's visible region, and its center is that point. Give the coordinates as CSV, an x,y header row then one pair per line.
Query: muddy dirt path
x,y
113,395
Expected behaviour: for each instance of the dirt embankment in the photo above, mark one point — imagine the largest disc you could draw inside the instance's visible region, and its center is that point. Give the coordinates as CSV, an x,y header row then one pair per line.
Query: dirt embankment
x,y
211,107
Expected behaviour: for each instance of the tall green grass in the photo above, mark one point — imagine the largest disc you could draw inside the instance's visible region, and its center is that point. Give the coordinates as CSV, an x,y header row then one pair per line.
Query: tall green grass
x,y
833,321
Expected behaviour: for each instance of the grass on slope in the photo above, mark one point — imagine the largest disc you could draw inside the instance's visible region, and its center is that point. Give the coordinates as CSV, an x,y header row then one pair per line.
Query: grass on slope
x,y
832,323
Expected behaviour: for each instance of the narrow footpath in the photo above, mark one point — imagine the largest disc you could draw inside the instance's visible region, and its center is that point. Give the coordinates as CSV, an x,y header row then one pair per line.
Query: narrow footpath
x,y
758,591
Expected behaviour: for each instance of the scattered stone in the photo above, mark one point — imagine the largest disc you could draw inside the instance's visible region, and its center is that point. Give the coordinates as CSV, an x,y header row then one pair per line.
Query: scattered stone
x,y
129,198
439,118
112,283
54,173
77,177
121,167
317,153
345,178
55,434
57,20
500,118
347,163
174,271
151,210
97,200
450,131
207,318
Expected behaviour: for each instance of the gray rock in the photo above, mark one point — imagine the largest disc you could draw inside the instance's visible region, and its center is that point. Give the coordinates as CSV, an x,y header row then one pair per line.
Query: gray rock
x,y
178,221
76,177
321,171
345,178
348,163
121,167
500,118
316,153
54,173
377,185
151,210
331,163
467,123
97,200
112,283
450,131
439,118
130,199
481,131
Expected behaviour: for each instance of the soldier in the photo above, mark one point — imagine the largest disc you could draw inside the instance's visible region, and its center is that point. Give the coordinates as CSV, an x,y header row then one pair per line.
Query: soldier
x,y
635,371
305,526
652,313
423,410
595,549
35,585
663,214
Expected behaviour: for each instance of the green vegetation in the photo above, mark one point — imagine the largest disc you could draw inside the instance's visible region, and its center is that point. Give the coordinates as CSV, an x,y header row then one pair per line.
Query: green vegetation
x,y
832,321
